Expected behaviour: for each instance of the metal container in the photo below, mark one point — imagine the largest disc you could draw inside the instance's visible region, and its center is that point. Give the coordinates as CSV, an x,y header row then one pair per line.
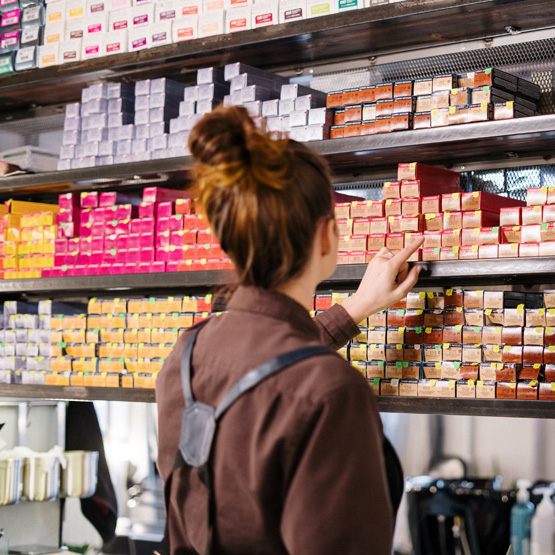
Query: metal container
x,y
41,478
80,475
10,481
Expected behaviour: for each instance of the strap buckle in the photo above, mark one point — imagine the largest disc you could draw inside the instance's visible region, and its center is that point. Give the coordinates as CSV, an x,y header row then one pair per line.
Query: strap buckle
x,y
198,425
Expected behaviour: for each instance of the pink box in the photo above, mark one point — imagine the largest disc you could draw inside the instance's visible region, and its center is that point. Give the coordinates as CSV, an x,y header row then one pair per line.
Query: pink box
x,y
94,269
159,194
176,253
158,267
146,240
71,258
134,241
89,200
133,255
164,209
68,201
60,259
84,257
122,227
97,243
46,273
113,198
126,211
118,268
107,199
163,239
176,222
68,270
111,213
131,268
80,270
84,244
147,225
190,221
109,256
162,224
99,215
121,242
73,244
110,242
172,266
146,210
66,229
121,255
146,254
60,246
56,271
96,258
66,216
105,269
86,216
176,238
144,267
135,226
162,253
98,229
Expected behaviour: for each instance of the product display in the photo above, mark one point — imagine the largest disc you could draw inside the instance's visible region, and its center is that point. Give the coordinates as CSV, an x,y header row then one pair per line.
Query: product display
x,y
458,343
431,102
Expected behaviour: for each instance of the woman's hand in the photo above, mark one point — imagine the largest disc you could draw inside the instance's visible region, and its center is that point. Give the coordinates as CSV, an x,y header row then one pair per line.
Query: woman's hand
x,y
387,280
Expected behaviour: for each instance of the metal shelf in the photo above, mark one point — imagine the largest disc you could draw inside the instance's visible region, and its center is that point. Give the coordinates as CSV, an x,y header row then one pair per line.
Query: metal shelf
x,y
493,140
366,32
411,405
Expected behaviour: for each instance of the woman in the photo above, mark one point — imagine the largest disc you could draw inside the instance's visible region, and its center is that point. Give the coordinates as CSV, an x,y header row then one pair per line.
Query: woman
x,y
296,464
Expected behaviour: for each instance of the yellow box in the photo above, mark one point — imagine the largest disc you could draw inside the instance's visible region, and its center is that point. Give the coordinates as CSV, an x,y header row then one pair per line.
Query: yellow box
x,y
73,336
136,306
24,207
131,336
112,380
189,304
157,335
130,350
63,379
31,234
92,335
56,336
127,380
145,381
93,321
10,263
85,364
12,248
77,379
49,233
60,364
51,378
144,335
144,321
111,365
11,220
133,321
95,307
95,380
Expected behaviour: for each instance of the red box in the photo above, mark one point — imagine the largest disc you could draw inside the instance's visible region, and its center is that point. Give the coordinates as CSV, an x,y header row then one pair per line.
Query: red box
x,y
191,221
531,215
489,202
205,236
184,206
437,179
147,210
159,194
509,216
89,199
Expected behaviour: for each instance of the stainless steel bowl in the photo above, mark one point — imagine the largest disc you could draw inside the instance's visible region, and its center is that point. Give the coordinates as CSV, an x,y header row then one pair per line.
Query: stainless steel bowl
x,y
81,474
10,481
41,479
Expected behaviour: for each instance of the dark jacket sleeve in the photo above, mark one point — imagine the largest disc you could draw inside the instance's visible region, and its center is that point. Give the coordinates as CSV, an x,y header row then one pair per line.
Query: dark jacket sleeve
x,y
338,499
336,327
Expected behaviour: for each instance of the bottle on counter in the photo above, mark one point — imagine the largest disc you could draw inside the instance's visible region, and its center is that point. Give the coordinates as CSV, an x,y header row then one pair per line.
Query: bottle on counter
x,y
543,525
521,519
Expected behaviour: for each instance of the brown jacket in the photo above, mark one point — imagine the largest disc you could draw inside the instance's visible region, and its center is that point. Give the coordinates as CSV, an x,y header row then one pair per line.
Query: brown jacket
x,y
297,461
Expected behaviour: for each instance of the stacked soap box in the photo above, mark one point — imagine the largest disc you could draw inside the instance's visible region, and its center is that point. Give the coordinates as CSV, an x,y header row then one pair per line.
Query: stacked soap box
x,y
29,233
456,342
432,102
530,230
110,233
121,342
26,337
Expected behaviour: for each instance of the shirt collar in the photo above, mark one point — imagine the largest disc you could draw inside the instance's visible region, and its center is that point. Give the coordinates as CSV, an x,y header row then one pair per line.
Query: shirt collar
x,y
275,305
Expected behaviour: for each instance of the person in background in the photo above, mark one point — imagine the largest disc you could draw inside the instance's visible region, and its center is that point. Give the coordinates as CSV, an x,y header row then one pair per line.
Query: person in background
x,y
297,461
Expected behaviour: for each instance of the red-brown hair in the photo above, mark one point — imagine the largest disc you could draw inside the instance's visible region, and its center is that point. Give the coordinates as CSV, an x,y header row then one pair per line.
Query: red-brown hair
x,y
262,197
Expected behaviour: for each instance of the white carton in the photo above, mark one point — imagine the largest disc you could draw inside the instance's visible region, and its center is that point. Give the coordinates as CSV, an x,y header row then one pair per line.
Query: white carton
x,y
75,29
55,12
54,32
116,42
97,24
317,8
119,20
70,51
188,7
31,158
211,23
139,38
291,10
49,55
76,9
264,14
185,28
96,6
166,9
92,46
213,6
238,19
161,33
114,5
142,15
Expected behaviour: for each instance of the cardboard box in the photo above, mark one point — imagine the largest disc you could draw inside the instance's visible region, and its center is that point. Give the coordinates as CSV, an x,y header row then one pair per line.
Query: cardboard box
x,y
531,215
433,222
452,220
451,202
479,200
485,390
509,216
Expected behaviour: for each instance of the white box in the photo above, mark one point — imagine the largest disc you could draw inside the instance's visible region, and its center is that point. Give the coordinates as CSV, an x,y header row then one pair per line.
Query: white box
x,y
76,9
70,51
142,2
161,33
119,20
317,8
75,29
232,4
92,46
114,5
166,9
139,38
348,5
31,158
97,24
97,6
55,12
213,6
211,23
54,32
238,19
188,7
185,28
142,15
116,42
264,14
291,10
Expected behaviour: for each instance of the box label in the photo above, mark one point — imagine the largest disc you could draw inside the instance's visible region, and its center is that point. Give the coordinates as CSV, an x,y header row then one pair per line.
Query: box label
x,y
263,19
189,10
76,34
320,9
11,18
95,8
120,25
297,13
29,14
52,38
170,14
75,13
9,39
237,24
185,33
70,55
30,34
96,28
159,37
114,47
5,65
92,50
139,43
140,19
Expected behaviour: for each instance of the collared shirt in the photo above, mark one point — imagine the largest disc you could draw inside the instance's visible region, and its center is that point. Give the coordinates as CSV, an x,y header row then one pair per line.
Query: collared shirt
x,y
297,461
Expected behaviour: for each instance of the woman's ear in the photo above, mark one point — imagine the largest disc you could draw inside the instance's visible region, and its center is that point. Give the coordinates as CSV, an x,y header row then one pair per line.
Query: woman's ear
x,y
328,236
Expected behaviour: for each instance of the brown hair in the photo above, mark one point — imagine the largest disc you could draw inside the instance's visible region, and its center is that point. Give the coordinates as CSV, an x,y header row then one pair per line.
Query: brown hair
x,y
262,197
